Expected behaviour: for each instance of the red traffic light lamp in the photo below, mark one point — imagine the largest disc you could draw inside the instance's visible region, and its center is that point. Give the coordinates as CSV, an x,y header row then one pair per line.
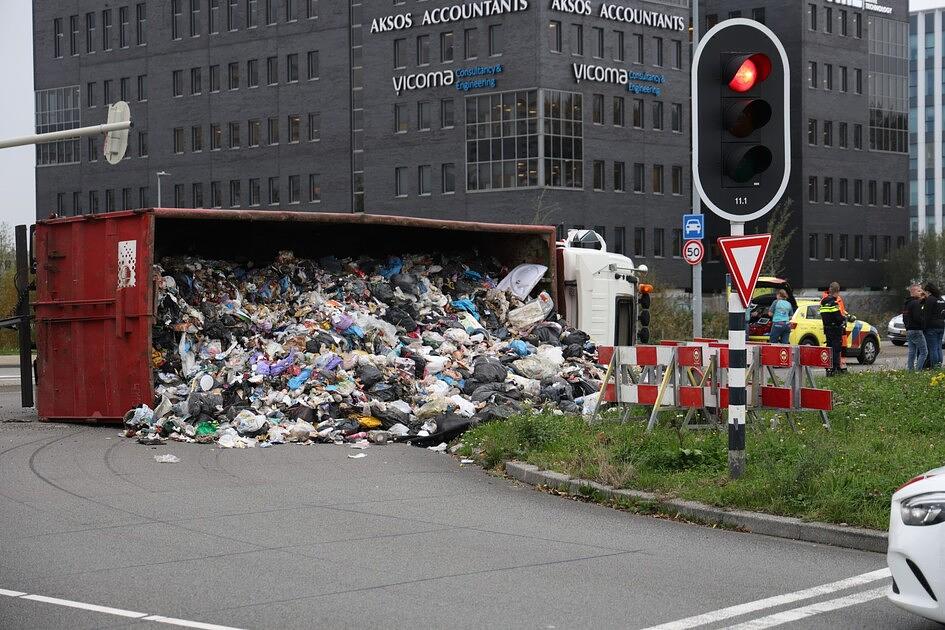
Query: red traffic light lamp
x,y
743,72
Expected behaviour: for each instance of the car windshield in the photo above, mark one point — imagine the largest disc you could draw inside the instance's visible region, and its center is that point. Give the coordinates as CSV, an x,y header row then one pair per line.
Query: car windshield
x,y
813,311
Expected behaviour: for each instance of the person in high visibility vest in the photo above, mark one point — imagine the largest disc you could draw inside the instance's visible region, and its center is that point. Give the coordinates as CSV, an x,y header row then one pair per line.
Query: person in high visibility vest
x,y
834,325
843,311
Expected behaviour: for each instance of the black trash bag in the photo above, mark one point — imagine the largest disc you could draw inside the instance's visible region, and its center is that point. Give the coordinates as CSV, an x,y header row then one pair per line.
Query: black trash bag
x,y
198,403
583,387
448,426
385,392
301,412
391,416
382,291
419,363
407,283
494,411
487,390
347,425
501,333
330,264
470,385
369,375
400,318
572,351
578,337
547,335
555,389
488,371
569,406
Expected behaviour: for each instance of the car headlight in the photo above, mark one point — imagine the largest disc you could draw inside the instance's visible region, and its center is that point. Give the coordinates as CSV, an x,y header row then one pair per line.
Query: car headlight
x,y
924,509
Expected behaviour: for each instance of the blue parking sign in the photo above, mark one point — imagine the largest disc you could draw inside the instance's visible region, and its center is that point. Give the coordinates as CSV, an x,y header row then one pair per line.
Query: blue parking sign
x,y
693,226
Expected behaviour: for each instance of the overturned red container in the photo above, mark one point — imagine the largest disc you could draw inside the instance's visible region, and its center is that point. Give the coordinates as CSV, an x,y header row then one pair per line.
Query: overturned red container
x,y
95,282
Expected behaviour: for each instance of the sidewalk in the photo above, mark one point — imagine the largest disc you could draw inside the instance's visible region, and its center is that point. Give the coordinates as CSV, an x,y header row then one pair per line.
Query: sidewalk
x,y
10,360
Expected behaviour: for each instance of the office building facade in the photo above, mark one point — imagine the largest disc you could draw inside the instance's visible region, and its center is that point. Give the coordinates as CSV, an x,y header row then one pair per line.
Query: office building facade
x,y
558,112
849,100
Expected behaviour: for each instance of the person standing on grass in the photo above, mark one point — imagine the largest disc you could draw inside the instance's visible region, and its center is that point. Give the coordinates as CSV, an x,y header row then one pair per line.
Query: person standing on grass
x,y
780,314
834,325
934,323
913,317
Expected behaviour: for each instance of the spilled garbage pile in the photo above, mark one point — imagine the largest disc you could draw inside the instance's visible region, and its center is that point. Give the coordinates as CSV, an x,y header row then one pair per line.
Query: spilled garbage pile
x,y
416,348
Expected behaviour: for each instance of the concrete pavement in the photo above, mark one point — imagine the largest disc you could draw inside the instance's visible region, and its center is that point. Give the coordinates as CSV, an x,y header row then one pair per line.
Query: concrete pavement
x,y
301,537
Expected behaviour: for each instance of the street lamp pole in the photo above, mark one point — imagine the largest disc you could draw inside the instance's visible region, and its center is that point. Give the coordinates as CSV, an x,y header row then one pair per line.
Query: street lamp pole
x,y
160,174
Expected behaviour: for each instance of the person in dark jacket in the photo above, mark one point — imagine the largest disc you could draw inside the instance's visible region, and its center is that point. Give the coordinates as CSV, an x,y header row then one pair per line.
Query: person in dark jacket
x,y
913,317
934,323
834,325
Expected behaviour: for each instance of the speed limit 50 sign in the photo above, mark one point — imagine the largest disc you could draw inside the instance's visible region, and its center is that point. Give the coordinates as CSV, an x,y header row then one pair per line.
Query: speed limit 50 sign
x,y
693,252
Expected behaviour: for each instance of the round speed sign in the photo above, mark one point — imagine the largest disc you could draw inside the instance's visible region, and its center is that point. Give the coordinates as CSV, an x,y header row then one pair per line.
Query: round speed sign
x,y
693,252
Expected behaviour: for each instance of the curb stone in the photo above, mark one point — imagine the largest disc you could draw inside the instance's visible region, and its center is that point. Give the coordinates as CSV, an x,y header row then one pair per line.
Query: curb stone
x,y
755,522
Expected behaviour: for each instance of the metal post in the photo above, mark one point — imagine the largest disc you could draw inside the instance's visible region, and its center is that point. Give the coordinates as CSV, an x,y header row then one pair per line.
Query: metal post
x,y
696,209
66,134
160,174
23,310
737,360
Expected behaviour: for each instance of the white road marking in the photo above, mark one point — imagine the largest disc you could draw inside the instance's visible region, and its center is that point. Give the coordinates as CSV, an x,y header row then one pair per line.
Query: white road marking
x,y
797,614
771,602
108,610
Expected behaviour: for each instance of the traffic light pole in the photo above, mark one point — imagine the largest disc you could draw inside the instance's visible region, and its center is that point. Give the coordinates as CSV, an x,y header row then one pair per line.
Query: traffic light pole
x,y
696,209
737,363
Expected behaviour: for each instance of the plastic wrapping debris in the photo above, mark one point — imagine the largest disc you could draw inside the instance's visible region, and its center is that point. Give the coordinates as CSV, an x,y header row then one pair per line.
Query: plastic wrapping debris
x,y
411,348
166,459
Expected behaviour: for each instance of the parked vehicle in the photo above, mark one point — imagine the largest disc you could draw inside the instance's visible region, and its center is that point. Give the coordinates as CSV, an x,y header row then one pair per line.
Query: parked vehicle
x,y
807,329
764,295
916,552
896,331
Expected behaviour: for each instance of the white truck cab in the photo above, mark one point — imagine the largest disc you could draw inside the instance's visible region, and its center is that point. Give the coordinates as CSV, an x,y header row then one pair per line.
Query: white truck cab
x,y
603,292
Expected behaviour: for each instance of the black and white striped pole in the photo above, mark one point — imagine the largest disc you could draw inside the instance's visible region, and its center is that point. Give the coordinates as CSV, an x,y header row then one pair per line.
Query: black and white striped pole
x,y
737,363
741,164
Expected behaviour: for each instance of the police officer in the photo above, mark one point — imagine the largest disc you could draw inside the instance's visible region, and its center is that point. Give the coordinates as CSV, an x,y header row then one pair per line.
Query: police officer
x,y
834,325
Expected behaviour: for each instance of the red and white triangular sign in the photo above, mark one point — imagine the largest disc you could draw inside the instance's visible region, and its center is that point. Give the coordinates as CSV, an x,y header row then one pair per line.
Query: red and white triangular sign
x,y
744,255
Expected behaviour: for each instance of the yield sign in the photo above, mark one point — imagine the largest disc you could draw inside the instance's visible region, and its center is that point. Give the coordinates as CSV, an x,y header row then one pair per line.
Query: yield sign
x,y
744,255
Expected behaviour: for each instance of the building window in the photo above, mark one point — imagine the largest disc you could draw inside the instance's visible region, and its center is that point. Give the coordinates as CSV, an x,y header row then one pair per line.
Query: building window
x,y
828,190
658,45
107,91
857,136
812,16
563,150
554,36
828,76
828,246
314,187
216,137
812,74
577,39
141,23
658,115
638,113
400,118
196,195
597,113
858,80
598,175
314,127
889,84
828,133
232,15
842,190
254,193
495,40
73,35
195,82
502,141
812,190
639,241
124,88
812,131
657,179
677,54
252,14
291,11
177,83
235,195
233,130
448,178
871,192
887,247
214,78
270,12
677,243
758,14
252,73
110,200
58,35
216,195
843,22
619,112
400,181
295,189
620,177
597,41
93,149
900,194
295,132
90,32
471,43
619,243
639,178
272,70
90,99
252,133
676,114
273,191
213,17
812,242
446,47
400,53
142,87
107,29
844,84
658,244
195,18
233,76
887,194
844,246
196,138
423,50
842,135
447,115
620,52
142,144
828,20
292,68
423,115
858,191
872,243
858,247
638,41
677,176
178,140
423,180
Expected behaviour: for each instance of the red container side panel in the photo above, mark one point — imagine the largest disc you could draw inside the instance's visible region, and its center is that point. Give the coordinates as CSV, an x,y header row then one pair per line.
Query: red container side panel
x,y
94,307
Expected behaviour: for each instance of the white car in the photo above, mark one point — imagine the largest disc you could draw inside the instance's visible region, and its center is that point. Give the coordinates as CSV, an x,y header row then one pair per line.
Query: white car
x,y
916,554
896,331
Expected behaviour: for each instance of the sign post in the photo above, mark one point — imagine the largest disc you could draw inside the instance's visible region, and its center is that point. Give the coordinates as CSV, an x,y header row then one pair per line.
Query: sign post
x,y
741,164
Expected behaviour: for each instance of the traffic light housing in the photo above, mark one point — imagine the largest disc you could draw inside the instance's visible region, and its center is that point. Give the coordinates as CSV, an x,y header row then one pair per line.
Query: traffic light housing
x,y
643,315
740,119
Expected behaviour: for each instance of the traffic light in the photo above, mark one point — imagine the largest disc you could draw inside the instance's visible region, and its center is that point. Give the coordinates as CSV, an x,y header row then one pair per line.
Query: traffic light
x,y
740,119
643,316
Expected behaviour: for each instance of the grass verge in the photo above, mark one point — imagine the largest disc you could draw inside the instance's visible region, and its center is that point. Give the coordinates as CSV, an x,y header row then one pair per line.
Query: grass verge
x,y
887,427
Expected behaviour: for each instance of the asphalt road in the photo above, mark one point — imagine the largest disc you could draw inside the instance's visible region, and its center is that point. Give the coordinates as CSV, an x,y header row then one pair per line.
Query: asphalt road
x,y
303,536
